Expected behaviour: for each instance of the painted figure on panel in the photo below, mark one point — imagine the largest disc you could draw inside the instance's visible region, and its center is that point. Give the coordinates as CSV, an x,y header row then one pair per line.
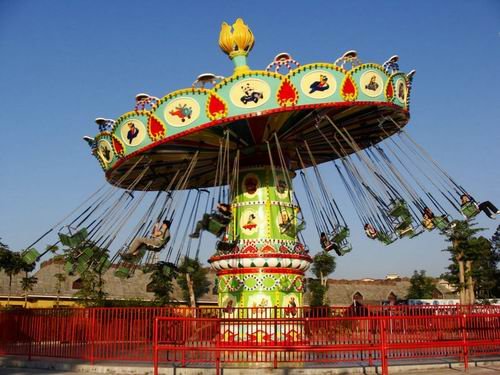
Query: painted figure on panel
x,y
132,133
372,85
320,85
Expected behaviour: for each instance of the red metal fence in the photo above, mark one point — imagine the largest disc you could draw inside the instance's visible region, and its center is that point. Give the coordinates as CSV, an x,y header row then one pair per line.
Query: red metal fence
x,y
366,335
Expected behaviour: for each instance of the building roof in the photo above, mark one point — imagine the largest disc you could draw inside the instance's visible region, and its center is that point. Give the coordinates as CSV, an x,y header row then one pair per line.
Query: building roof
x,y
116,288
340,292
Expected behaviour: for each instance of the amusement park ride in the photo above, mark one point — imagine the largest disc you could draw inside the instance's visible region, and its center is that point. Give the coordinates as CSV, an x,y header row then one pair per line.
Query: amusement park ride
x,y
240,143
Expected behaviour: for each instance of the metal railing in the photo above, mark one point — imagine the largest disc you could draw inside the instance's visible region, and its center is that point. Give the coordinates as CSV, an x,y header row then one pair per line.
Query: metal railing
x,y
362,335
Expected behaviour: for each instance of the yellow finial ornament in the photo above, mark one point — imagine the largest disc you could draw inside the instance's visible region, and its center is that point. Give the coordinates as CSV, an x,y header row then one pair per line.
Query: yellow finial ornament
x,y
237,41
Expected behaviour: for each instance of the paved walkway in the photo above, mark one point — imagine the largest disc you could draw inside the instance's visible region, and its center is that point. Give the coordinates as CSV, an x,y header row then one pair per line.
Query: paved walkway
x,y
479,370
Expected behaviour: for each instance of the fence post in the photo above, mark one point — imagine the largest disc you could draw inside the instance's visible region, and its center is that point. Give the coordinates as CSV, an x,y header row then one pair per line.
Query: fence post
x,y
30,329
184,340
92,334
218,330
275,360
383,346
155,346
465,348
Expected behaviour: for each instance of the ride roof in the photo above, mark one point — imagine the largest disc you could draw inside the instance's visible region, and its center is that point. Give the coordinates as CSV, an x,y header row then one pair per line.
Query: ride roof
x,y
287,99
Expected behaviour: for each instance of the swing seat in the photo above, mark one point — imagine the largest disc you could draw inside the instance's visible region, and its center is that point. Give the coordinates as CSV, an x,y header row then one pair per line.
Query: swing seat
x,y
399,209
404,230
122,272
80,236
416,233
103,264
155,249
341,235
339,250
134,259
346,249
81,267
441,222
385,238
470,209
300,226
86,255
225,247
69,267
215,226
289,229
30,256
402,225
428,224
331,246
74,240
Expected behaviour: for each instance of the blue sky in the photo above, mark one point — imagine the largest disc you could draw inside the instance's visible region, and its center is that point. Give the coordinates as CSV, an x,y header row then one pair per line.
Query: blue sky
x,y
63,63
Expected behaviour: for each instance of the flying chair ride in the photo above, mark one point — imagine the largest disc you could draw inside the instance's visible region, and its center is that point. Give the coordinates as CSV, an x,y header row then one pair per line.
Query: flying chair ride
x,y
242,141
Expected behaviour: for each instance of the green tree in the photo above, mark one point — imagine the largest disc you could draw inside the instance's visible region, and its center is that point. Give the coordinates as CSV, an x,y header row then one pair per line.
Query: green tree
x,y
323,265
473,263
162,281
421,286
495,240
317,292
13,264
91,262
482,257
3,247
4,255
91,292
193,280
27,284
60,279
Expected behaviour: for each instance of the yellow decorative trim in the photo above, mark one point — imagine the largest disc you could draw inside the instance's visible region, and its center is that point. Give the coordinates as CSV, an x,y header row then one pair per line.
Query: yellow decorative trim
x,y
180,92
103,135
315,66
128,115
268,208
368,66
249,74
393,79
101,162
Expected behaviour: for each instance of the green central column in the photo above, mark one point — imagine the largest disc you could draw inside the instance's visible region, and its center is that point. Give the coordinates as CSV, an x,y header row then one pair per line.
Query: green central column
x,y
267,267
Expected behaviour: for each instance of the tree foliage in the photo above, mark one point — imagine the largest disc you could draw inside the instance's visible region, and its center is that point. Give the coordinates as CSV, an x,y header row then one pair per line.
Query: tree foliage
x,y
92,291
482,256
421,286
162,278
193,269
495,240
12,264
323,265
60,279
5,254
91,270
27,284
317,292
460,236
